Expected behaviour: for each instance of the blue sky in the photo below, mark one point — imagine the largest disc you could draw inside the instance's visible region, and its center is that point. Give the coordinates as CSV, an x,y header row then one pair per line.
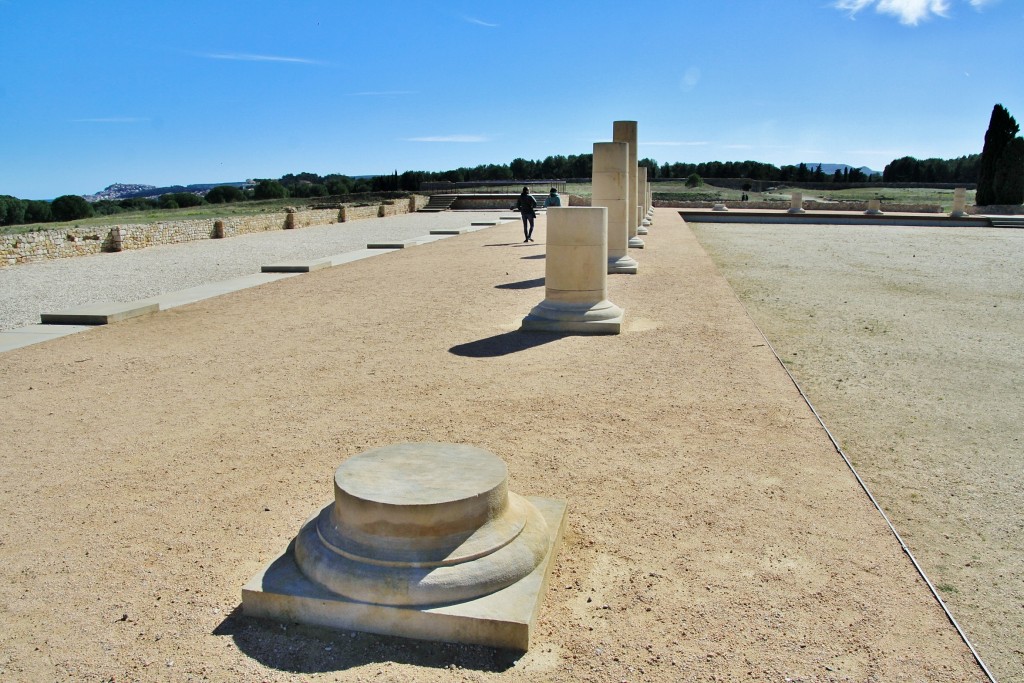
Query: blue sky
x,y
167,93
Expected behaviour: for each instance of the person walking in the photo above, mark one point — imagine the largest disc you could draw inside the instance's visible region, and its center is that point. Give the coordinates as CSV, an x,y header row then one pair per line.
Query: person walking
x,y
527,207
552,199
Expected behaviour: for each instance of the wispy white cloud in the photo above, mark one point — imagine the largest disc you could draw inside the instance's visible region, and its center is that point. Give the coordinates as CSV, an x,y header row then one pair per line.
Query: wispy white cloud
x,y
112,119
690,79
244,57
381,93
480,22
908,12
449,138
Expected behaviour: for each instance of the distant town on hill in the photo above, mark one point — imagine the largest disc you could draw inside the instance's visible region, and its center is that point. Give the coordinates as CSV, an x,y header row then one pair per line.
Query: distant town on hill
x,y
135,191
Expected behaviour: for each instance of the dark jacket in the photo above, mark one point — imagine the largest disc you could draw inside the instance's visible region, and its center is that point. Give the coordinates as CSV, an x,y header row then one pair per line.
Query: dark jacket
x,y
527,205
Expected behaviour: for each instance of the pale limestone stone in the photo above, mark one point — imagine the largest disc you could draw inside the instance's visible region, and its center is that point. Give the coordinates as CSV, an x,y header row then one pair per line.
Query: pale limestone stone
x,y
625,131
796,203
576,275
636,242
423,541
959,202
296,266
98,314
719,207
874,207
641,229
610,182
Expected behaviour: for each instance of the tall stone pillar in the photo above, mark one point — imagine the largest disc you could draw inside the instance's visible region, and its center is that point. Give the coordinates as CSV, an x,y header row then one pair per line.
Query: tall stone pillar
x,y
796,202
576,275
610,181
959,202
641,229
625,131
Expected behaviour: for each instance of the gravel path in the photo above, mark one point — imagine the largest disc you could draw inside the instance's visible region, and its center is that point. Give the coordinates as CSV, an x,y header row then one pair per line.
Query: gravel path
x,y
28,290
907,340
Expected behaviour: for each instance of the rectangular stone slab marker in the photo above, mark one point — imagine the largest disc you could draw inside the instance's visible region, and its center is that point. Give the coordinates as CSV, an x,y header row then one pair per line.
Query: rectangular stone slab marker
x,y
504,619
98,314
296,266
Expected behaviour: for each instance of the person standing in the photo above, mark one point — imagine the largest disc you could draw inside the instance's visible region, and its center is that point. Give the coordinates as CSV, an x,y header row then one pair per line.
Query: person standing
x,y
527,207
553,199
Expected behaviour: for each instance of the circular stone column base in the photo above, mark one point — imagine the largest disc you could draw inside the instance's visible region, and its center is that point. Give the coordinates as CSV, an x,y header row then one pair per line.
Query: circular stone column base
x,y
622,264
422,540
603,317
635,243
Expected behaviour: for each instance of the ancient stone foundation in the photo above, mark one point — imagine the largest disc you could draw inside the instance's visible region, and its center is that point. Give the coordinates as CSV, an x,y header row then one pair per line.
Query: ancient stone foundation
x,y
626,131
576,275
610,181
796,202
959,202
423,541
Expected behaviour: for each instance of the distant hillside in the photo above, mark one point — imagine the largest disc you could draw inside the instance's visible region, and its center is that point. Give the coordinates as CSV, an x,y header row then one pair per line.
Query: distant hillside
x,y
830,169
131,190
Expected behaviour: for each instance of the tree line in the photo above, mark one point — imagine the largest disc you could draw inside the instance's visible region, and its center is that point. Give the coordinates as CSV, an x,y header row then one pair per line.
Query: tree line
x,y
998,170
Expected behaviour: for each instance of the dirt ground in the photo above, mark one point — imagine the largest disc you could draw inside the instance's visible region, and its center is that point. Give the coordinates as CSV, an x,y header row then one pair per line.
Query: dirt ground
x,y
151,467
908,341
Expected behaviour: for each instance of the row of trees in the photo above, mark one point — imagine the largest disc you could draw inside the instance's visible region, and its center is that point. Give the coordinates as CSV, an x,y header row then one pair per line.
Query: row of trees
x,y
70,207
911,170
14,211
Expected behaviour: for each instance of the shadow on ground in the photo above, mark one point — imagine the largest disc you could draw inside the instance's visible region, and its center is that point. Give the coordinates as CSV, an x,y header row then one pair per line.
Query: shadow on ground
x,y
535,256
504,344
309,650
523,284
514,244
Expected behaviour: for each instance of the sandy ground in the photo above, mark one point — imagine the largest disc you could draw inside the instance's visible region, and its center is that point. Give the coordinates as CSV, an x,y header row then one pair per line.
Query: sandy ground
x,y
908,341
151,467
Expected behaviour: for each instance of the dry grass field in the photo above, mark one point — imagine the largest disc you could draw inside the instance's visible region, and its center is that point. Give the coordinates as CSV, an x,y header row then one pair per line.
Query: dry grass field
x,y
909,343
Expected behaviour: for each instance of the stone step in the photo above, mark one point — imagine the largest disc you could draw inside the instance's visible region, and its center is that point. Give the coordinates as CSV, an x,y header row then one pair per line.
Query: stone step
x,y
439,202
98,314
1006,221
296,266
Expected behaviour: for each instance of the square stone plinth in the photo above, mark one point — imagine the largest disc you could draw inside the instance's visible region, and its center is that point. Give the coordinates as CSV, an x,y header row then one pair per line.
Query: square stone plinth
x,y
503,619
532,323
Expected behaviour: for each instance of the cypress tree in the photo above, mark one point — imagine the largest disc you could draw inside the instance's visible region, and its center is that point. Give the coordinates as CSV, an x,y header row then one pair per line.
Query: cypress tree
x,y
1002,128
1009,180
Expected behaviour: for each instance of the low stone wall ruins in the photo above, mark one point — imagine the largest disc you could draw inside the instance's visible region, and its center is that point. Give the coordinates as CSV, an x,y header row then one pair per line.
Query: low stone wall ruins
x,y
81,241
808,205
